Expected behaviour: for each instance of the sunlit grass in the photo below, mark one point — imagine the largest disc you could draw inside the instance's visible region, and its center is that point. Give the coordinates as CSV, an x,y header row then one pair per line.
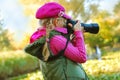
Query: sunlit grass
x,y
15,62
37,75
109,64
106,69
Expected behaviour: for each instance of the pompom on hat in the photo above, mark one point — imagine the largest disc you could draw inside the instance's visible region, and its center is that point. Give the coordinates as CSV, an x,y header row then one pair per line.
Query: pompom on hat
x,y
51,9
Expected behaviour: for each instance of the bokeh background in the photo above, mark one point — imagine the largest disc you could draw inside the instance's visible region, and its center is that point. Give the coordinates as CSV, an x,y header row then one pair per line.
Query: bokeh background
x,y
17,23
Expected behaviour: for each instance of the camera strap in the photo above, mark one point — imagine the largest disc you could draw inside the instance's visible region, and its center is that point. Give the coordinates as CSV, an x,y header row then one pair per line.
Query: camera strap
x,y
61,53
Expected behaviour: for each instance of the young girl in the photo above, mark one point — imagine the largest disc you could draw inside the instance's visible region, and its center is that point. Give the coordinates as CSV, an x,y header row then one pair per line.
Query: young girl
x,y
60,56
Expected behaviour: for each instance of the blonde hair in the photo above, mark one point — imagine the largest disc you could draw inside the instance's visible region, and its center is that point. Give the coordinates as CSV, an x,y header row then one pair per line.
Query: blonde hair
x,y
48,23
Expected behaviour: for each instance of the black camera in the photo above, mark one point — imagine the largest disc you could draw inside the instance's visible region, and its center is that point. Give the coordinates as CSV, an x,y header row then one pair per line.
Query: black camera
x,y
91,28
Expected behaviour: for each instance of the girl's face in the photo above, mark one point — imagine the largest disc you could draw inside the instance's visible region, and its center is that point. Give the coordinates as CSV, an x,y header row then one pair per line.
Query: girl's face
x,y
60,22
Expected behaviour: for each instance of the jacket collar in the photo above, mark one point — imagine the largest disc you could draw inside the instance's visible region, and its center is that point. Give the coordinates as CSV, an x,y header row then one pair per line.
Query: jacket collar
x,y
59,29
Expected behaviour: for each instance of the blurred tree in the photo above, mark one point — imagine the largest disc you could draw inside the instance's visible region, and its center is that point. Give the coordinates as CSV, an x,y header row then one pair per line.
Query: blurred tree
x,y
104,37
117,26
5,37
76,8
109,28
25,41
117,8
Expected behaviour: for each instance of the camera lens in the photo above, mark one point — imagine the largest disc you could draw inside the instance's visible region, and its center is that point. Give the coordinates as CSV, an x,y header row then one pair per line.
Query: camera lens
x,y
92,28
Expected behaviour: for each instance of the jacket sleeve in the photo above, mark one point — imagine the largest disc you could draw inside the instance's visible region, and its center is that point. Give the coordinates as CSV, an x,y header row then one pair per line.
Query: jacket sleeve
x,y
75,51
35,48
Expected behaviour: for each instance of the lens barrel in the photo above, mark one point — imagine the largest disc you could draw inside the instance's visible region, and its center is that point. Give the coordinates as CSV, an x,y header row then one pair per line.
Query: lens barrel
x,y
91,28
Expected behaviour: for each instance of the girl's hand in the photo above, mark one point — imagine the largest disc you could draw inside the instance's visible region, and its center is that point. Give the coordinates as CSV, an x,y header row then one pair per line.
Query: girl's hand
x,y
77,26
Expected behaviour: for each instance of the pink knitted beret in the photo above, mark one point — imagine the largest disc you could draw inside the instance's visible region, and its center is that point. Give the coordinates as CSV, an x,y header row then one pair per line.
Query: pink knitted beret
x,y
51,9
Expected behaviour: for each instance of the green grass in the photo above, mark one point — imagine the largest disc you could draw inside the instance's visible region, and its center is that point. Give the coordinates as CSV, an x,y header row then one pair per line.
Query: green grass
x,y
113,76
15,63
106,69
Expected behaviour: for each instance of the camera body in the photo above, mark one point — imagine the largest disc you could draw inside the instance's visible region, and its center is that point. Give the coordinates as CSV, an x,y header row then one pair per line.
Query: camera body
x,y
91,28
